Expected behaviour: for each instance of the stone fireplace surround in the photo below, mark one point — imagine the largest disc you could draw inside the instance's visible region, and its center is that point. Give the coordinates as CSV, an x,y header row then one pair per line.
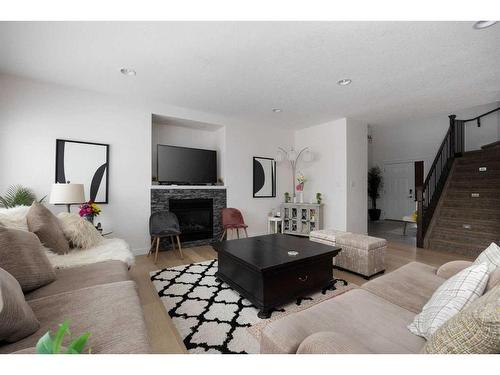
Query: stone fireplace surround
x,y
161,195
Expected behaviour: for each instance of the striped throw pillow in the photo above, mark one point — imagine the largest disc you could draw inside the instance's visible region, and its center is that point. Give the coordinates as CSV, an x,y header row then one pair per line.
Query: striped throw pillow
x,y
491,256
450,298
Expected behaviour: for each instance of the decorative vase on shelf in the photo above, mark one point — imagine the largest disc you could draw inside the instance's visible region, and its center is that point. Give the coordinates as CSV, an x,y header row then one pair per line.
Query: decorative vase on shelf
x,y
89,218
301,197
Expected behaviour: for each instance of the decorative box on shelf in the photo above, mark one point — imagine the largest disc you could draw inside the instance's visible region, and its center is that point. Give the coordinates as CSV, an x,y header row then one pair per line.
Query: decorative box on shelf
x,y
301,218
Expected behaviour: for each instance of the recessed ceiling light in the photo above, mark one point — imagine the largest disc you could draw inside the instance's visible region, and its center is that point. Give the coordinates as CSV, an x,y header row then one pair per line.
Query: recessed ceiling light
x,y
277,110
483,24
344,82
128,72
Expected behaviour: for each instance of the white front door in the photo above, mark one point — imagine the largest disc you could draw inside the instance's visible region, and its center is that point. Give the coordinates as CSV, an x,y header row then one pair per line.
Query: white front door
x,y
398,192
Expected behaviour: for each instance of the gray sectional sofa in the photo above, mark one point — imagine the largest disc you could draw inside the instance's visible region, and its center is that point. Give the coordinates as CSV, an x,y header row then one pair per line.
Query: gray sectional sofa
x,y
371,319
99,298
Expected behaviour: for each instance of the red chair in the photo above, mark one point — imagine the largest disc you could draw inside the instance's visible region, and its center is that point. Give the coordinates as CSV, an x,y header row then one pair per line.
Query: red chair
x,y
233,219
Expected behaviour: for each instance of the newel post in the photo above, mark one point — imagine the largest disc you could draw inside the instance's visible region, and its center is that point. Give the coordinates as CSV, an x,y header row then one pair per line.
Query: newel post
x,y
452,135
419,197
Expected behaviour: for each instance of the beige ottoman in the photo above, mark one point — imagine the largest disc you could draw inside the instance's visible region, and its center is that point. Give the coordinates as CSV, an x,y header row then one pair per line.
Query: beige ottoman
x,y
361,254
326,236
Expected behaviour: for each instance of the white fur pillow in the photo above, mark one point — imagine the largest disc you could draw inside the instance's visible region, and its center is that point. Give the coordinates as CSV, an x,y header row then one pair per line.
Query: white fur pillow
x,y
79,232
14,218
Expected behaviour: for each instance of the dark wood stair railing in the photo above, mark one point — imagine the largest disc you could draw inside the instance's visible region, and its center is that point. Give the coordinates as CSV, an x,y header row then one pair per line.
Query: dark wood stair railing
x,y
429,191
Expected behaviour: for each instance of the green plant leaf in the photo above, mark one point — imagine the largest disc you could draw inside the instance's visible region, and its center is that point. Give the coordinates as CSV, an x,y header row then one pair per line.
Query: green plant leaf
x,y
18,195
44,345
58,339
77,346
4,203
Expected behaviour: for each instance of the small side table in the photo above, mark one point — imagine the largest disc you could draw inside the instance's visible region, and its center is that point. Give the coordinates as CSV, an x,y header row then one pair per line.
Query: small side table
x,y
408,220
274,225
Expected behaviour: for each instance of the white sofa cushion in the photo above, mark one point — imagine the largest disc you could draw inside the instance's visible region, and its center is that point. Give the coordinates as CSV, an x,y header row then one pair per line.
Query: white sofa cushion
x,y
450,298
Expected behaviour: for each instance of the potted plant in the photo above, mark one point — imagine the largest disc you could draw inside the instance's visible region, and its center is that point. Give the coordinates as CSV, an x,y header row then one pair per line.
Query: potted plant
x,y
318,198
53,344
18,195
375,183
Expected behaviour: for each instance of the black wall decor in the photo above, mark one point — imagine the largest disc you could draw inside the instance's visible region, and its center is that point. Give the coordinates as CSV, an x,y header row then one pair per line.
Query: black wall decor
x,y
264,177
84,163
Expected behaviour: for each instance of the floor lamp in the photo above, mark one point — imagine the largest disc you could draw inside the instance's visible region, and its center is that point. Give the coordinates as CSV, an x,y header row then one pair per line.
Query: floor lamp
x,y
293,157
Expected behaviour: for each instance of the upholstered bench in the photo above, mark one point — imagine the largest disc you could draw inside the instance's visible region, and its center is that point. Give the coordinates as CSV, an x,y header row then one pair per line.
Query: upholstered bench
x,y
361,254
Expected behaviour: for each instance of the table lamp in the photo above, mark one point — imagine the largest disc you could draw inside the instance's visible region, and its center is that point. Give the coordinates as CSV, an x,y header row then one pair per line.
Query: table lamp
x,y
67,194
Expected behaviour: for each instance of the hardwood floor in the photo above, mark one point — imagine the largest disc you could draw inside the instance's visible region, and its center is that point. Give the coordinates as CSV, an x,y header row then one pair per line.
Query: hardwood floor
x,y
163,335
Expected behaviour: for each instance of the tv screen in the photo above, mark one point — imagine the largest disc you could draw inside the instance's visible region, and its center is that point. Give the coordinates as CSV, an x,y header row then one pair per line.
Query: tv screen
x,y
183,165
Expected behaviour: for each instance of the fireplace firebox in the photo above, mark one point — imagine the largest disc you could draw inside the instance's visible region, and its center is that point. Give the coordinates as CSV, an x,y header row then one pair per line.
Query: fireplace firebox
x,y
195,218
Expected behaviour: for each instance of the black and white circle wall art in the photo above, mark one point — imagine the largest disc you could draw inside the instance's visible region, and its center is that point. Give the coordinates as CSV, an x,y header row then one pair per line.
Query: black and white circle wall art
x,y
264,177
84,163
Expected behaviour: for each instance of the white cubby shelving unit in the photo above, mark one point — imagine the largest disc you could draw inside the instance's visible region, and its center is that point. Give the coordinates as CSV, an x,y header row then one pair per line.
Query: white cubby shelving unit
x,y
301,218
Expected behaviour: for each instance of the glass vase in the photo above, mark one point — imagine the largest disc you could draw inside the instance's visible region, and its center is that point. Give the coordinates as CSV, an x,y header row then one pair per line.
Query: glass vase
x,y
89,218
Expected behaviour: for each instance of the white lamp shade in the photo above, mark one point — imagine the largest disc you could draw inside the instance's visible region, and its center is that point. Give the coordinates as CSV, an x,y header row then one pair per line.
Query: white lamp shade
x,y
67,194
292,155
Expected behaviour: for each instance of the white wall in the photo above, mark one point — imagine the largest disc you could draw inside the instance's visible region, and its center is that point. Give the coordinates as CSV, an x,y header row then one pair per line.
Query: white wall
x,y
420,139
357,171
189,137
338,171
34,114
242,144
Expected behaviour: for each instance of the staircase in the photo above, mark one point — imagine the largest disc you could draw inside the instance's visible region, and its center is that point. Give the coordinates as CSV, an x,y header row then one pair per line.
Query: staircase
x,y
467,217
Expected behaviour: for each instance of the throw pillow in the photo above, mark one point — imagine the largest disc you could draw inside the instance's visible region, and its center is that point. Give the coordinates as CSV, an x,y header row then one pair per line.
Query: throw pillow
x,y
14,217
46,226
490,255
17,320
493,280
474,330
452,296
79,232
23,256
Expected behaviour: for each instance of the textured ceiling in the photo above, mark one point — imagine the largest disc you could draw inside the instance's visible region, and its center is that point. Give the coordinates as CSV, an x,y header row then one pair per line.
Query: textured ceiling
x,y
242,70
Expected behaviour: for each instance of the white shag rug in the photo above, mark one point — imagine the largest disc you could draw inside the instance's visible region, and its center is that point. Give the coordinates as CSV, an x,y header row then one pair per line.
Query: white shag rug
x,y
108,249
213,318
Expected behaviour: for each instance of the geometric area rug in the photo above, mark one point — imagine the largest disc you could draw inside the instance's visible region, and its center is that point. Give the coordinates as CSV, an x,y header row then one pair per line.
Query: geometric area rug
x,y
213,318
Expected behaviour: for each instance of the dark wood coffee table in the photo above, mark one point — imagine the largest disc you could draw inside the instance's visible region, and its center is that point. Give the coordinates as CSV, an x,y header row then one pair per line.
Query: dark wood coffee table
x,y
261,269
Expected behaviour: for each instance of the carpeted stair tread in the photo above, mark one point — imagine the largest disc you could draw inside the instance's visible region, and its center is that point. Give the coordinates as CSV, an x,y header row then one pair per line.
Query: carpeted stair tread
x,y
456,247
458,208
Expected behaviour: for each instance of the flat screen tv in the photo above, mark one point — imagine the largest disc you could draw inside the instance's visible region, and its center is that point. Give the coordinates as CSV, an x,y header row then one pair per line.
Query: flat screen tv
x,y
186,166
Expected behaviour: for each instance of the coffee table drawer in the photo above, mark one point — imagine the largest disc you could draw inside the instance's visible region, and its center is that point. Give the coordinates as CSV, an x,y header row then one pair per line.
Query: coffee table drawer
x,y
290,282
